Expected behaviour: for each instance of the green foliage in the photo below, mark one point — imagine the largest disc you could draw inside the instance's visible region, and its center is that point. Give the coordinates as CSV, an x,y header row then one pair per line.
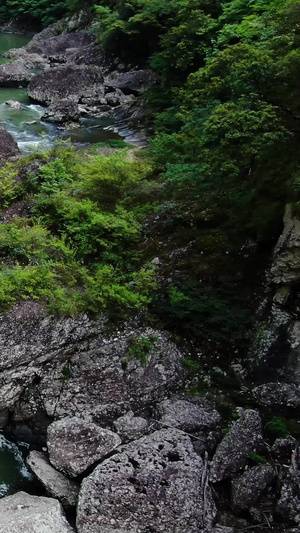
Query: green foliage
x,y
140,347
277,427
73,253
257,458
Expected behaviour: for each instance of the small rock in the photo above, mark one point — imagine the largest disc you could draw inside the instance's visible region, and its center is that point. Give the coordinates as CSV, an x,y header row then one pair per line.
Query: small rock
x,y
247,488
14,104
23,513
232,453
75,445
55,483
130,427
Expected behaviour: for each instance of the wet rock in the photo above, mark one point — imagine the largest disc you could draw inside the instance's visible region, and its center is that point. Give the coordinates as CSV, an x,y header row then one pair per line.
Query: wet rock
x,y
75,445
55,483
232,453
277,395
187,415
8,146
154,484
23,513
62,111
14,74
130,427
65,82
282,449
135,81
247,488
13,104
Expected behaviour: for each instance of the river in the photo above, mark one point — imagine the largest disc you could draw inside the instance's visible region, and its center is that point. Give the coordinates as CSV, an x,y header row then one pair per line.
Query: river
x,y
25,124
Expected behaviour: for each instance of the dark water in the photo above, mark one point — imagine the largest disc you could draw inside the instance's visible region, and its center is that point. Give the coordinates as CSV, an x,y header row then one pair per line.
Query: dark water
x,y
14,474
11,40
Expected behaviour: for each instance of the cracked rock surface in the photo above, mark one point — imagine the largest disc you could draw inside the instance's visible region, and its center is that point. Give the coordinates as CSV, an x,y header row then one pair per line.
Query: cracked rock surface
x,y
155,484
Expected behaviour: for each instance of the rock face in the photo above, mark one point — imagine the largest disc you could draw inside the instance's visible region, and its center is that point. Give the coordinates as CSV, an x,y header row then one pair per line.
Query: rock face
x,y
65,82
155,484
247,488
22,513
75,445
52,368
277,354
232,453
8,146
55,483
187,415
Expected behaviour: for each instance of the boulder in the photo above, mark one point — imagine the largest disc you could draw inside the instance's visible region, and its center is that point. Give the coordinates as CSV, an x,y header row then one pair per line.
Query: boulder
x,y
277,395
130,427
14,104
23,513
14,74
135,81
282,449
232,453
247,488
289,501
74,445
8,146
157,483
55,483
58,44
62,111
65,82
187,415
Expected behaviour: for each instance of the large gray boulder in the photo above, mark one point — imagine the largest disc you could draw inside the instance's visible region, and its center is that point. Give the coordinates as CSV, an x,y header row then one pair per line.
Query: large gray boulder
x,y
247,488
22,513
58,44
187,415
277,394
75,445
8,146
135,81
65,82
14,74
157,484
56,484
232,453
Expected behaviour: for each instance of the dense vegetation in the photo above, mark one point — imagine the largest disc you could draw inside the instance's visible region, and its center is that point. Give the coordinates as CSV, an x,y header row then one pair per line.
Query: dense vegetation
x,y
224,161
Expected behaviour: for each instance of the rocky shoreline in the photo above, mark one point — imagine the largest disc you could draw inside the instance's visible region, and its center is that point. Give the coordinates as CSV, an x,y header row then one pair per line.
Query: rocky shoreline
x,y
65,71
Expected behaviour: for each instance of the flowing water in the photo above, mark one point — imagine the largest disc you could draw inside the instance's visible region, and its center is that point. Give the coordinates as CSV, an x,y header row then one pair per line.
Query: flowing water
x,y
25,124
14,474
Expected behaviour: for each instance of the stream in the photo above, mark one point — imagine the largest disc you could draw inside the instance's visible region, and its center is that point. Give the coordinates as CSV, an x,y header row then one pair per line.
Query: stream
x,y
25,124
